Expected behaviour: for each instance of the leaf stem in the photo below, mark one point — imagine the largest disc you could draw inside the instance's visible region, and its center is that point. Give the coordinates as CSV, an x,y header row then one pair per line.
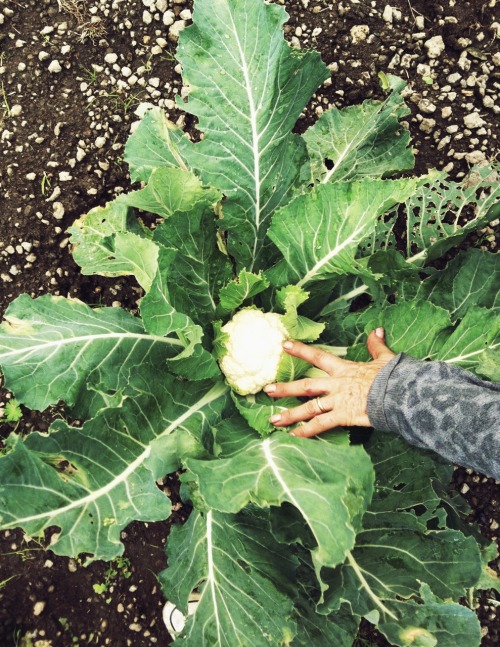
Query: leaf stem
x,y
366,586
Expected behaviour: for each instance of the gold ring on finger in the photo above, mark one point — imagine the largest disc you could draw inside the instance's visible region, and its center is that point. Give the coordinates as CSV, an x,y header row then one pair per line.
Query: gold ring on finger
x,y
320,406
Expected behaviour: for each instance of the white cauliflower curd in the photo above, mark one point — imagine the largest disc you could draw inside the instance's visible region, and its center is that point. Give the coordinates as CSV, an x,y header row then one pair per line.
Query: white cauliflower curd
x,y
253,349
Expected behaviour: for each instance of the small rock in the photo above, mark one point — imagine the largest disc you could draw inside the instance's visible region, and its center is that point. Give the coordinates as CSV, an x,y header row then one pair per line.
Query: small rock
x,y
168,18
161,5
99,142
55,67
64,176
387,13
65,49
454,78
43,56
38,608
446,112
111,58
434,46
175,29
147,18
16,110
475,157
427,125
473,120
425,105
31,176
58,208
126,71
359,33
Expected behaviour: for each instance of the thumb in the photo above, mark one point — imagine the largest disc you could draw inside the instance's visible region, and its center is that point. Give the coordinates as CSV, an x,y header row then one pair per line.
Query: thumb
x,y
376,344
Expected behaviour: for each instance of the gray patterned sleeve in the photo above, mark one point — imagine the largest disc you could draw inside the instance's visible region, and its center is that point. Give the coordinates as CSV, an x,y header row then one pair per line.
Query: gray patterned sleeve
x,y
440,407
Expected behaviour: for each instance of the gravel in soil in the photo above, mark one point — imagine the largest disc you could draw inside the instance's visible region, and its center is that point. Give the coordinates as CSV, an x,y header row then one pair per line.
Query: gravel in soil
x,y
72,73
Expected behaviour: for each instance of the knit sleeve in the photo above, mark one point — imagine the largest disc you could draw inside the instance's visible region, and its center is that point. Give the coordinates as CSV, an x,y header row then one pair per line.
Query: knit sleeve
x,y
440,407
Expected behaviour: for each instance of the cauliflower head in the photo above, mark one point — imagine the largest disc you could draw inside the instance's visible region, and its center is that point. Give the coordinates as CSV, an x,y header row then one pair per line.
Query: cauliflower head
x,y
252,342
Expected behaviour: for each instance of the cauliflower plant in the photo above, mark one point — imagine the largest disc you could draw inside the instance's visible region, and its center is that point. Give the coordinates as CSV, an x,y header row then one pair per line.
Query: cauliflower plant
x,y
252,342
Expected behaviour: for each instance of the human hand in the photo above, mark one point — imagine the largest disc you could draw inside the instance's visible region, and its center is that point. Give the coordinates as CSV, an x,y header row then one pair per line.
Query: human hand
x,y
344,391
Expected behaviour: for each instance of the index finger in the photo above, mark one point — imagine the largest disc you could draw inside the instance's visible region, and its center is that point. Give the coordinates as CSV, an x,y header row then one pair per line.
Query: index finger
x,y
314,355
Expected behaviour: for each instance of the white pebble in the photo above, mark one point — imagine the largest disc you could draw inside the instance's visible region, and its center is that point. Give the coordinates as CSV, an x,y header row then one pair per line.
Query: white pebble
x,y
16,110
43,56
359,33
475,157
64,176
65,49
55,67
168,18
426,106
176,28
434,46
161,5
111,58
387,13
99,142
58,208
38,608
427,125
473,120
31,176
147,18
126,71
185,14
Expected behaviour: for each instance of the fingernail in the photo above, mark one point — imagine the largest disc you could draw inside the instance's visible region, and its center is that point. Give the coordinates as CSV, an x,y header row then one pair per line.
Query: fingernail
x,y
275,418
270,388
288,344
380,333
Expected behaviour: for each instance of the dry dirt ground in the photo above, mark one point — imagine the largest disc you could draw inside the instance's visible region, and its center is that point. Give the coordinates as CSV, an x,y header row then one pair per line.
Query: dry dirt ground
x,y
72,73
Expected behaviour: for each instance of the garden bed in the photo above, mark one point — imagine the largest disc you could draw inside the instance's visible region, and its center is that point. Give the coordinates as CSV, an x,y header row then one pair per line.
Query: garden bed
x,y
71,78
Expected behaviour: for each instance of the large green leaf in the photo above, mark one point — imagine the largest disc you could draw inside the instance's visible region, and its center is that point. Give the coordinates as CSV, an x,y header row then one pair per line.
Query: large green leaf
x,y
329,485
54,349
413,327
319,232
402,546
247,89
92,481
471,279
477,333
432,623
155,143
245,286
366,140
242,575
199,269
169,190
442,213
109,241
